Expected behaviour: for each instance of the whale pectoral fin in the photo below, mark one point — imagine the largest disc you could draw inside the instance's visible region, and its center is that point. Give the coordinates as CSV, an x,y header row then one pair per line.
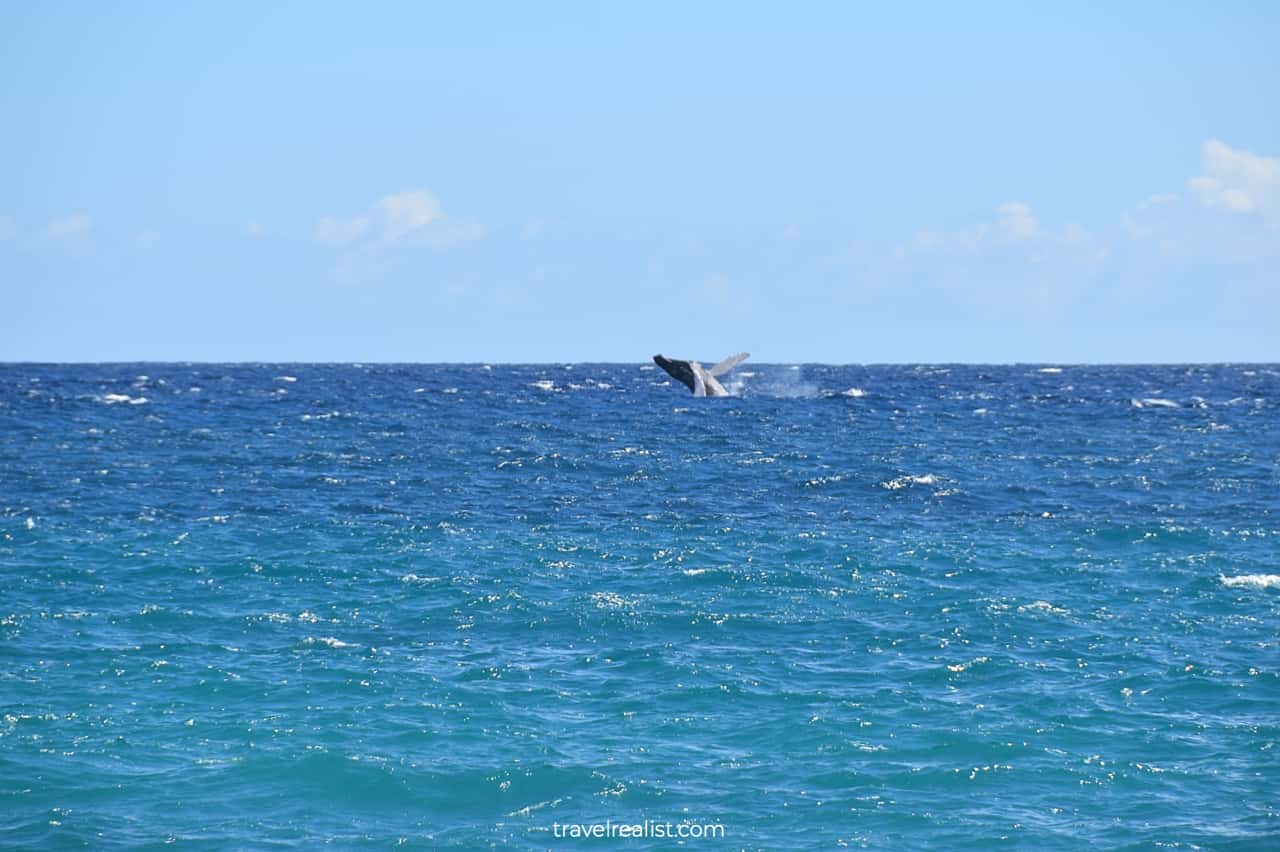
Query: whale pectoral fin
x,y
728,364
699,386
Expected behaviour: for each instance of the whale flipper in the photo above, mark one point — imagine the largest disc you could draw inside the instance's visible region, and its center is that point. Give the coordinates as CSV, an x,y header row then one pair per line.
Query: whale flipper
x,y
728,364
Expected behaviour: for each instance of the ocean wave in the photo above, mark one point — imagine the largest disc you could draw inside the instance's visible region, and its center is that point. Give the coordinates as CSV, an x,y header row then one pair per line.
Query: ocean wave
x,y
904,481
117,398
612,600
1154,402
327,642
1043,606
1252,581
962,667
416,579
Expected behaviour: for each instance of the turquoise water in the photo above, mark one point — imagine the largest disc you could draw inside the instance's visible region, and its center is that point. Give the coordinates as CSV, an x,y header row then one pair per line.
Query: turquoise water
x,y
457,606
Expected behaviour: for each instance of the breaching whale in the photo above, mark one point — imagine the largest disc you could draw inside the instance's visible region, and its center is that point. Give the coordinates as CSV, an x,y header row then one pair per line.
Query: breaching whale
x,y
698,379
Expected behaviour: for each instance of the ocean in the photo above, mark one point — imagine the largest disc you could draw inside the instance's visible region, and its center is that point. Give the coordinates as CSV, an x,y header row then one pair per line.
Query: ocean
x,y
473,606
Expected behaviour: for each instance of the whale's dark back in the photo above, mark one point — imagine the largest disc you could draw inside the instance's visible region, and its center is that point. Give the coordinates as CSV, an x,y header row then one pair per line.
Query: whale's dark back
x,y
676,369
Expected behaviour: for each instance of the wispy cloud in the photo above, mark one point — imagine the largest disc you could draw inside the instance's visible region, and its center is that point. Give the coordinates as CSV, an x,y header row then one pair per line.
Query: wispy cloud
x,y
408,212
331,230
1232,212
1143,222
413,216
1238,181
75,226
1014,227
1014,223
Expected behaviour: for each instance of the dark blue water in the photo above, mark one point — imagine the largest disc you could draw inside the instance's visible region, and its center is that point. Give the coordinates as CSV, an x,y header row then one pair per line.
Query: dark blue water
x,y
459,606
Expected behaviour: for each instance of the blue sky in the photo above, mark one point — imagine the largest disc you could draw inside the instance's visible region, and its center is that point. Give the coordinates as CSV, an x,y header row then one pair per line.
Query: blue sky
x,y
579,182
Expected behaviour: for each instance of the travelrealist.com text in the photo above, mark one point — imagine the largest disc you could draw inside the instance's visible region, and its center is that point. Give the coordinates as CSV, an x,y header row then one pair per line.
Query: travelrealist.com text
x,y
647,829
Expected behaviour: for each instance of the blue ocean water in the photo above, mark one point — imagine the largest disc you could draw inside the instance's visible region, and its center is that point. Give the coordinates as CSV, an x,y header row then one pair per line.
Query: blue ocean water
x,y
465,606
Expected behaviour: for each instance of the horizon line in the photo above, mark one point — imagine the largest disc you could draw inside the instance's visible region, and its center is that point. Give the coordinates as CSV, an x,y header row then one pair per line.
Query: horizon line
x,y
571,362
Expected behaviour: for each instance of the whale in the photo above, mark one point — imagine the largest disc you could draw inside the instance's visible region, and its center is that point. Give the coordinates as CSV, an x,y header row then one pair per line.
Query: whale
x,y
697,378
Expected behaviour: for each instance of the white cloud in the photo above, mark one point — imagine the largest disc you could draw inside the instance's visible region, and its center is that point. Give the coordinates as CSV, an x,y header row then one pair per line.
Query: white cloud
x,y
1238,181
1014,223
411,216
331,230
1017,221
71,227
1146,219
1014,226
407,212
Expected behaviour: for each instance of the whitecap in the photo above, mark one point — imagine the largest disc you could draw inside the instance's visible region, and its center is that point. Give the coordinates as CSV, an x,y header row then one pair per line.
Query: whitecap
x,y
113,398
544,384
1049,370
415,578
537,806
960,667
856,393
1252,581
611,600
1043,606
1154,402
289,379
904,481
327,641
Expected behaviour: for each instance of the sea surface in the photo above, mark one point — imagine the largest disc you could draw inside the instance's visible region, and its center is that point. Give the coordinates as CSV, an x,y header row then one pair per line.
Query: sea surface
x,y
444,606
